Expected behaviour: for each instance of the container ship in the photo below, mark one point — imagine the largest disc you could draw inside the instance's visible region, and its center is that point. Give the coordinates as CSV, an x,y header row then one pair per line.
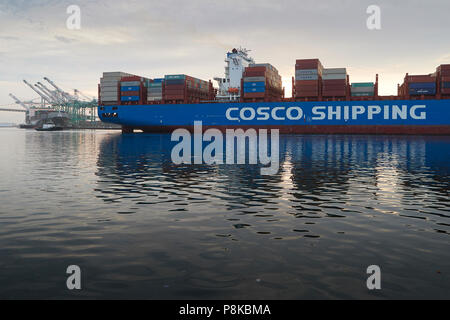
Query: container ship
x,y
250,95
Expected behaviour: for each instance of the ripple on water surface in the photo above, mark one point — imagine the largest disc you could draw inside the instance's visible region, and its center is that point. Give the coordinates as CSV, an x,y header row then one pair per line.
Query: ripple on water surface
x,y
140,226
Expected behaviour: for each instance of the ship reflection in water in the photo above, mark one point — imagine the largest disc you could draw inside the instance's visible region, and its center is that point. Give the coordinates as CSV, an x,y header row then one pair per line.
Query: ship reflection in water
x,y
140,226
338,205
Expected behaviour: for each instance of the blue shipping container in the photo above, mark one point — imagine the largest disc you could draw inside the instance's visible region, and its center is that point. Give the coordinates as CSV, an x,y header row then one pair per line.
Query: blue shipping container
x,y
420,91
254,89
175,76
174,81
254,84
130,98
159,80
446,85
129,89
422,85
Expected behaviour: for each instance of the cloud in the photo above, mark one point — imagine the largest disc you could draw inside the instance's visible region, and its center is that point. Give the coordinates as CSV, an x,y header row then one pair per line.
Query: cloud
x,y
8,38
64,39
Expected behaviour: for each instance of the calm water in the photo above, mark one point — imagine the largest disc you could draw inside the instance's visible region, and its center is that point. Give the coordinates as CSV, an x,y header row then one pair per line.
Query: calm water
x,y
141,227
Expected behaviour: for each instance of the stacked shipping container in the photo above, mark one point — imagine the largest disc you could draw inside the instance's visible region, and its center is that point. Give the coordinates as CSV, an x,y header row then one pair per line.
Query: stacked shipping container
x,y
130,91
186,89
155,90
443,74
308,78
261,82
334,82
109,87
418,85
133,90
363,89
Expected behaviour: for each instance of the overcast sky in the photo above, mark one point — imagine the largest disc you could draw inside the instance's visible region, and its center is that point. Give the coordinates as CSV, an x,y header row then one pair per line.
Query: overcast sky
x,y
154,38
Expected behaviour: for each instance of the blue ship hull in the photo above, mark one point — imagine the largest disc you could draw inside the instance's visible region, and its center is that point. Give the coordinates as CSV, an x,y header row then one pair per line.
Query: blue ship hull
x,y
343,117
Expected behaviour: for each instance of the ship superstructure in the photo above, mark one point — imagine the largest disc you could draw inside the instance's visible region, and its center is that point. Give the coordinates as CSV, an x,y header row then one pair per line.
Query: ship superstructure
x,y
230,86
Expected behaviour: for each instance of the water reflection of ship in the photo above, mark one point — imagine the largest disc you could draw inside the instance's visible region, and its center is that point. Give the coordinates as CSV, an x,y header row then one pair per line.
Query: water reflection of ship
x,y
312,162
140,162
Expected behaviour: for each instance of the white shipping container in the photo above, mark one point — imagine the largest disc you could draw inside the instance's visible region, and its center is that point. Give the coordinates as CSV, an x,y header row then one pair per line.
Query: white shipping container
x,y
108,95
307,77
334,76
111,83
108,86
109,92
109,103
109,100
130,83
254,79
306,71
116,74
110,78
363,90
335,71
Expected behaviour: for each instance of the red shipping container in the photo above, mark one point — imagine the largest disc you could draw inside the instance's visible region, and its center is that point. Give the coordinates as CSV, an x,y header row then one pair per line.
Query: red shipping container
x,y
174,93
129,93
256,69
334,82
307,87
174,97
254,74
174,86
131,78
254,95
308,64
446,79
307,94
306,82
420,78
445,91
299,61
334,93
340,86
445,73
443,67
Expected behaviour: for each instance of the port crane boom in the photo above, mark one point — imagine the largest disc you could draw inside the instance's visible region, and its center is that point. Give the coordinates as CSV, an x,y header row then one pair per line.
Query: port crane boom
x,y
12,110
45,98
19,102
79,93
56,99
64,94
49,96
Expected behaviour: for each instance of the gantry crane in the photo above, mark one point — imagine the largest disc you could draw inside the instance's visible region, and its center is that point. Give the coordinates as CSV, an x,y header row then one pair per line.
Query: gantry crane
x,y
79,107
